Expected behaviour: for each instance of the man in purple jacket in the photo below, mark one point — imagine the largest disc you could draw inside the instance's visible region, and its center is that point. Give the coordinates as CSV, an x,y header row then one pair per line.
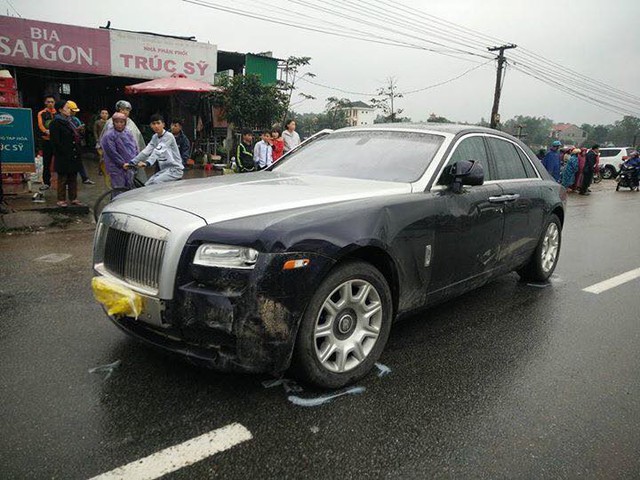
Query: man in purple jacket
x,y
119,148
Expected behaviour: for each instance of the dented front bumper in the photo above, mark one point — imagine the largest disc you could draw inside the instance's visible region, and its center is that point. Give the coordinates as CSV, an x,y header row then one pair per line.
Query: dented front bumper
x,y
231,320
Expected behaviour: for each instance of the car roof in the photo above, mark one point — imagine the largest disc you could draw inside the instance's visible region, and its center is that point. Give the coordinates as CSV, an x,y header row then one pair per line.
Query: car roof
x,y
452,128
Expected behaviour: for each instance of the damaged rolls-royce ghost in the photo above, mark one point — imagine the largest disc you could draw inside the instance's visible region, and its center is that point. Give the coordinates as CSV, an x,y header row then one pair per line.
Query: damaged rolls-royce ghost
x,y
306,265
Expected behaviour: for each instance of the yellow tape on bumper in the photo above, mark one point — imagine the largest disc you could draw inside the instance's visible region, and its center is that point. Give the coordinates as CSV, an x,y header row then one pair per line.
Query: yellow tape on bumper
x,y
118,300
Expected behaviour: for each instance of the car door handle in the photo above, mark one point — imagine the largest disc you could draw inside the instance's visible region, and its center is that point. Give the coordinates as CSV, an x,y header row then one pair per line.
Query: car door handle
x,y
504,198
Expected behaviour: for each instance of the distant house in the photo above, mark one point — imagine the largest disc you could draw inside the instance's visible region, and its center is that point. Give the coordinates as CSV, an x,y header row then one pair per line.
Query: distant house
x,y
359,113
568,133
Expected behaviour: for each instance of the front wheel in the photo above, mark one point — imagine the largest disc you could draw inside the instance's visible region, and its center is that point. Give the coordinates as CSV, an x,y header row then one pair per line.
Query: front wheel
x,y
345,326
545,257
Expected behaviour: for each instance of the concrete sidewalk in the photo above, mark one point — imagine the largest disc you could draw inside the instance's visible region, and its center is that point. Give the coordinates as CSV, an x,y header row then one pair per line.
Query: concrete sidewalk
x,y
25,214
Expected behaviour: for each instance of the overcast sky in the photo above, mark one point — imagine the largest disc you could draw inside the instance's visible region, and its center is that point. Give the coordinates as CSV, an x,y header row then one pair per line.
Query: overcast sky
x,y
597,38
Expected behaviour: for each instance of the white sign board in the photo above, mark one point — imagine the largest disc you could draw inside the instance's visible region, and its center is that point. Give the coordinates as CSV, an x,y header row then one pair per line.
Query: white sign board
x,y
149,56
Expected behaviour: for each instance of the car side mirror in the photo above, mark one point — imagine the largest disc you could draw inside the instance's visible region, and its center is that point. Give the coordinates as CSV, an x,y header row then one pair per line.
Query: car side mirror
x,y
465,172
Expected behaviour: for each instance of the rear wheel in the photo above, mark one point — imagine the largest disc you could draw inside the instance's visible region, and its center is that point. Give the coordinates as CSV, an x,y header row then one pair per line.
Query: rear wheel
x,y
545,257
345,326
105,199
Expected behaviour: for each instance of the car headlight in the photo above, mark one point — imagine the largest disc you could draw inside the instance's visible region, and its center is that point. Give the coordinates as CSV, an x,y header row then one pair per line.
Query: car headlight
x,y
226,256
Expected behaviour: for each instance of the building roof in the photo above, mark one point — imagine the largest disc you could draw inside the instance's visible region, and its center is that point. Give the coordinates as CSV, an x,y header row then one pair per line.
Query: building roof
x,y
561,127
359,104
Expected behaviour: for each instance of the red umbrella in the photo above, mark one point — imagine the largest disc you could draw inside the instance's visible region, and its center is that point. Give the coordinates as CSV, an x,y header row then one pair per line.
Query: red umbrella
x,y
167,86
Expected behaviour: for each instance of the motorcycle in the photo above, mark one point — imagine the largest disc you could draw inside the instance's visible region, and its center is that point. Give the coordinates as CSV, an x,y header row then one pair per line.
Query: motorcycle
x,y
597,175
627,178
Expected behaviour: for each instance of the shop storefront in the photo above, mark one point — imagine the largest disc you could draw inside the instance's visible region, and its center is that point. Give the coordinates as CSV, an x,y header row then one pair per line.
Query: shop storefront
x,y
93,65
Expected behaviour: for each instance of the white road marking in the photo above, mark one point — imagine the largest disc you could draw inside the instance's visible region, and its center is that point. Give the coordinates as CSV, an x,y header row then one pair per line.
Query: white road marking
x,y
613,282
53,258
182,455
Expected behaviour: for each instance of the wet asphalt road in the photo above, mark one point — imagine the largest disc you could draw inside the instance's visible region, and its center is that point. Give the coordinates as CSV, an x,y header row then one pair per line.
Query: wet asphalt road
x,y
510,381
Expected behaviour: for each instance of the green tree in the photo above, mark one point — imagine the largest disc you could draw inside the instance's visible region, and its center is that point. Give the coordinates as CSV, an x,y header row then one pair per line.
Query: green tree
x,y
386,101
433,118
247,103
292,71
535,131
336,111
625,132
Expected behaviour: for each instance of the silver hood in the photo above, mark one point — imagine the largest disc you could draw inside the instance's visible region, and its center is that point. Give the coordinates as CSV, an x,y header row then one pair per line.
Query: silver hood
x,y
216,199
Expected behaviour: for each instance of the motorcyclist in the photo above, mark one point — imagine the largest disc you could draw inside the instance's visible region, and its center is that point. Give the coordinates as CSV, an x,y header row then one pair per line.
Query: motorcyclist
x,y
633,161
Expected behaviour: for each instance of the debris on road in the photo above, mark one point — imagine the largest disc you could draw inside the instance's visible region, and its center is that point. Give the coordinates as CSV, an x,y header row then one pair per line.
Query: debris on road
x,y
383,370
108,369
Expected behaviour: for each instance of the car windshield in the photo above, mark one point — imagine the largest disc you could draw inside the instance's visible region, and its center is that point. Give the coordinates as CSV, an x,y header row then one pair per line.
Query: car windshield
x,y
367,155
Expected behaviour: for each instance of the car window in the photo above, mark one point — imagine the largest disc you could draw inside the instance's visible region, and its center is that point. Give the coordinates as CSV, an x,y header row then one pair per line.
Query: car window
x,y
369,155
610,153
508,165
470,148
531,172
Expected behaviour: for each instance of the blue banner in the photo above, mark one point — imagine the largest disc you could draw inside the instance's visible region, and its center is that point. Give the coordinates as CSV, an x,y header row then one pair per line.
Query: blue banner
x,y
17,149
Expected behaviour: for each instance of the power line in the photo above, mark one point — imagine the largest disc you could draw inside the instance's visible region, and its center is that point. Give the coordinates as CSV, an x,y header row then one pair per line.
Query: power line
x,y
409,92
447,81
339,13
580,80
265,18
572,92
14,8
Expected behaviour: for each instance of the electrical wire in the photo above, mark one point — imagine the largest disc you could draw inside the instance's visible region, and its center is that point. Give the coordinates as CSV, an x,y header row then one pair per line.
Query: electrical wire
x,y
14,8
526,56
573,93
408,92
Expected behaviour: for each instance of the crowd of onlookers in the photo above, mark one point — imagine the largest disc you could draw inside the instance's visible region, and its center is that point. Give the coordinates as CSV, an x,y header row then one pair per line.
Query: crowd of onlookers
x,y
273,144
575,167
119,144
122,149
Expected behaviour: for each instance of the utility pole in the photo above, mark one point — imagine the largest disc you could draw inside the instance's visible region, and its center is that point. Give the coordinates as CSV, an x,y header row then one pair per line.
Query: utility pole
x,y
495,116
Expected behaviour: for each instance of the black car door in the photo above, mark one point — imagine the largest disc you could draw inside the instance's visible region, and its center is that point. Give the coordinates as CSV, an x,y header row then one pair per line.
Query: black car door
x,y
468,230
522,200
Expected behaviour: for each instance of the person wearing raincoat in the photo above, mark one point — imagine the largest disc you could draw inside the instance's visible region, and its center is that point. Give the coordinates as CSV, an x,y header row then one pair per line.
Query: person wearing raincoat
x,y
570,170
119,147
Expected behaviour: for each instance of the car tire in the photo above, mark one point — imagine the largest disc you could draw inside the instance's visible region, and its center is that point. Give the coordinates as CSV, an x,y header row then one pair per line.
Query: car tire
x,y
545,257
345,326
608,172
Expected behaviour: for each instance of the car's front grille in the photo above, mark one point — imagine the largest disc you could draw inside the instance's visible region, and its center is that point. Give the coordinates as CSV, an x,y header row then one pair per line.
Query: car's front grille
x,y
133,258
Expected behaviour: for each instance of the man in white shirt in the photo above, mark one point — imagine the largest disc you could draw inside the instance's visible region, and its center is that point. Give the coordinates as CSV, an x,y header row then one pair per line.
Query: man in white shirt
x,y
263,152
290,136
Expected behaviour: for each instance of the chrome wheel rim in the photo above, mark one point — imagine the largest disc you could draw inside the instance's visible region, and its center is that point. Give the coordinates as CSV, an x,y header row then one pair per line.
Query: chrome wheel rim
x,y
348,326
550,247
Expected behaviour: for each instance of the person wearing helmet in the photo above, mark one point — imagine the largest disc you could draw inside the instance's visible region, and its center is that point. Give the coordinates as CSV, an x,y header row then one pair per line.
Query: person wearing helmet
x,y
124,107
633,161
551,160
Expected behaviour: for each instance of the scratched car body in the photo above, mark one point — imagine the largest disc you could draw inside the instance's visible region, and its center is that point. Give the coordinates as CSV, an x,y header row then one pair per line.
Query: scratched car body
x,y
306,266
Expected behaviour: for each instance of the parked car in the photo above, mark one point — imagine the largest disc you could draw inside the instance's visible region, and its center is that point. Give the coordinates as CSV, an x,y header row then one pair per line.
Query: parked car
x,y
307,265
610,160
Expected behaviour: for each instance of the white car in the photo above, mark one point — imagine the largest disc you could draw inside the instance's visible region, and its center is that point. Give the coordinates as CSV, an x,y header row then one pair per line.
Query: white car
x,y
610,160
